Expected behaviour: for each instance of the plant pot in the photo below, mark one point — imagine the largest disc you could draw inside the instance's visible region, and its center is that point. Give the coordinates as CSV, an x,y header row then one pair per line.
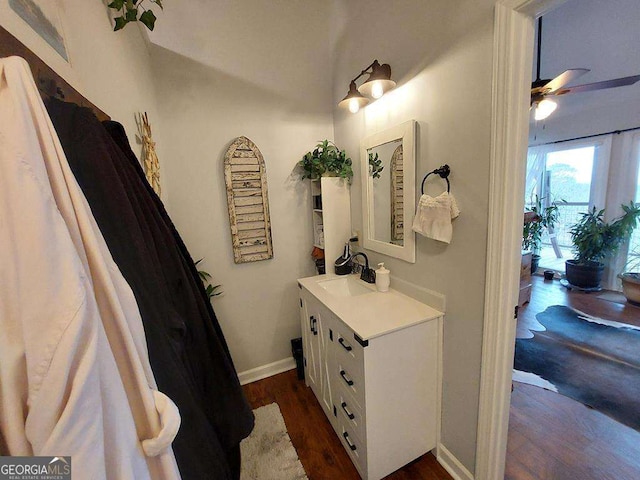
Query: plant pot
x,y
535,261
584,275
631,287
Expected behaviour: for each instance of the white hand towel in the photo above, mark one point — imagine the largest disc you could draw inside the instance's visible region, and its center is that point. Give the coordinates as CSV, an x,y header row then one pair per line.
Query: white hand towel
x,y
433,216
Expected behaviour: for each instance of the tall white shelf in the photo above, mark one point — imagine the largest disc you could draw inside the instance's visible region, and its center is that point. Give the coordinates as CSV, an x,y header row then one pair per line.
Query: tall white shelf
x,y
331,216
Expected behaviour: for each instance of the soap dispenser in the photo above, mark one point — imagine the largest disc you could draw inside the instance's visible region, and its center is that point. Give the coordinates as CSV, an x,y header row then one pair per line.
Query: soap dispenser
x,y
343,263
382,278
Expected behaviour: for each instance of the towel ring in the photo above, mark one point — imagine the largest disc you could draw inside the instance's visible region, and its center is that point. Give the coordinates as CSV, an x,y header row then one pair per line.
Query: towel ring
x,y
444,172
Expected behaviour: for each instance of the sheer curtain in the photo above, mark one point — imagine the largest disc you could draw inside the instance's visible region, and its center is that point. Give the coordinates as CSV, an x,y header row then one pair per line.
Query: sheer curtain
x,y
603,162
621,188
535,166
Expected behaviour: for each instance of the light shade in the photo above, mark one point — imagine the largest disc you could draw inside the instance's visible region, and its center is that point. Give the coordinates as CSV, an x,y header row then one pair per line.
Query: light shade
x,y
379,81
354,100
544,108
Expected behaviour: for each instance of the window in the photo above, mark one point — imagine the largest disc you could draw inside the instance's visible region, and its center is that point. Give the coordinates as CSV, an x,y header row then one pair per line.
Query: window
x,y
568,175
565,175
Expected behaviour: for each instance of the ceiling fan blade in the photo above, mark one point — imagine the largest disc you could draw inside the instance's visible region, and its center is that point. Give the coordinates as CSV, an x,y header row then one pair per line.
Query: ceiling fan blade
x,y
564,78
587,87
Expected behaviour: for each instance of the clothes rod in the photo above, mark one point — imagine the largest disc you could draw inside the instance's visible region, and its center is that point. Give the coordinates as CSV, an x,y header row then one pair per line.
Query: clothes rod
x,y
589,136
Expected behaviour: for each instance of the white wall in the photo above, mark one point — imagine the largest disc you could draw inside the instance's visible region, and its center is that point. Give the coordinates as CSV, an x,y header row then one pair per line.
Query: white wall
x,y
262,70
111,69
441,53
279,46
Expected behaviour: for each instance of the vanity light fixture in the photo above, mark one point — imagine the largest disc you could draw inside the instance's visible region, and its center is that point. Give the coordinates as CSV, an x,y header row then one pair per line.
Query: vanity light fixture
x,y
378,83
354,99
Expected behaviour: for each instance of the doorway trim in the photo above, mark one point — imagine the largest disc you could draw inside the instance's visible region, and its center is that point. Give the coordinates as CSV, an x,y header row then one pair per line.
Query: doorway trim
x,y
512,70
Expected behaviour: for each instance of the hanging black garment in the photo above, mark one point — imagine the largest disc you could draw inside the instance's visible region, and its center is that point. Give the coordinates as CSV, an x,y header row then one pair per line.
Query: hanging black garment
x,y
119,136
187,351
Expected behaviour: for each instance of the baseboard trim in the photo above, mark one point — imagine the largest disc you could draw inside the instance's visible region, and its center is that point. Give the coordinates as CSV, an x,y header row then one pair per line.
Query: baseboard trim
x,y
452,465
268,370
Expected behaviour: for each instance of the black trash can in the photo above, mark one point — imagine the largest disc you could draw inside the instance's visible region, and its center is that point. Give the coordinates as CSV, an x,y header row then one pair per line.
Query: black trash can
x,y
296,350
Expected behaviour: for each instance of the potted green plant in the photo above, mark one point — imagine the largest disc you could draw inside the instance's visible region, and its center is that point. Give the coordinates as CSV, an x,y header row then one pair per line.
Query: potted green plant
x,y
631,279
205,277
594,240
326,160
537,219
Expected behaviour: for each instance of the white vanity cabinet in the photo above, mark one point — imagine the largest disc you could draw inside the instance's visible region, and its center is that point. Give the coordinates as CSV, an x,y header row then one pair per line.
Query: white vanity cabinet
x,y
373,362
315,338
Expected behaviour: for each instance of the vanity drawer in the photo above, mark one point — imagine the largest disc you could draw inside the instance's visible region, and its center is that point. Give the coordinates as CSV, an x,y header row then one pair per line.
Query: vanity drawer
x,y
346,343
349,412
344,356
349,379
354,446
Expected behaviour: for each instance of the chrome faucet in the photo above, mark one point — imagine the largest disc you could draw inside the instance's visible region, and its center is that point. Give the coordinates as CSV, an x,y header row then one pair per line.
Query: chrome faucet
x,y
368,274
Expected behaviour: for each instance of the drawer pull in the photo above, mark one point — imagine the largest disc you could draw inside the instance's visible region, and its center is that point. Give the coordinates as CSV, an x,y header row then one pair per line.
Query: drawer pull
x,y
345,378
351,445
346,346
349,414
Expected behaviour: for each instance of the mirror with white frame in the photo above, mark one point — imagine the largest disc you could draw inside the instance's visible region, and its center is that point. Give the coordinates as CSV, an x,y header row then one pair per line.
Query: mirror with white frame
x,y
388,191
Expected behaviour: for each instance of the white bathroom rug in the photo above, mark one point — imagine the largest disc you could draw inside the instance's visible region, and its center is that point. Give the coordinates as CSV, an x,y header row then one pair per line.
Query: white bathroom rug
x,y
267,454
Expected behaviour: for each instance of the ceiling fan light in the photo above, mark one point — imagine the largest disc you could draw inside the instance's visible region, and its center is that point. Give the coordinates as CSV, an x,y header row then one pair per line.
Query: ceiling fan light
x,y
544,108
354,100
379,81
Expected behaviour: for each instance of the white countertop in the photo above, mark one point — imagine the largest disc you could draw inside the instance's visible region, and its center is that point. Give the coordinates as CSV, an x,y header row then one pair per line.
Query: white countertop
x,y
372,314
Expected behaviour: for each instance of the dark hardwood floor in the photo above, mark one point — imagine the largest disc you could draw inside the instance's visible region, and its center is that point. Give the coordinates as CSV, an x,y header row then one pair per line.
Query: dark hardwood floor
x,y
318,447
554,437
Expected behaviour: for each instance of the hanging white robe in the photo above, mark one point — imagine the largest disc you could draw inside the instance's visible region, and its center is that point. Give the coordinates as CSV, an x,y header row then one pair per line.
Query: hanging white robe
x,y
74,370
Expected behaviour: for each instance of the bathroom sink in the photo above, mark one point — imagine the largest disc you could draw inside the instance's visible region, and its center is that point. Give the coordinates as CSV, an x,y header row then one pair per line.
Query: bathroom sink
x,y
345,287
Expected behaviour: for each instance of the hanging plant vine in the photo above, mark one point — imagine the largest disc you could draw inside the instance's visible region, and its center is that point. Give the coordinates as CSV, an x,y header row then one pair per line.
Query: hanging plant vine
x,y
134,11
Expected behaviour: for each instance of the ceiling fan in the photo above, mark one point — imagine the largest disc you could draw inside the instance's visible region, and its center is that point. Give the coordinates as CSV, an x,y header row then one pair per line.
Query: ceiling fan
x,y
543,88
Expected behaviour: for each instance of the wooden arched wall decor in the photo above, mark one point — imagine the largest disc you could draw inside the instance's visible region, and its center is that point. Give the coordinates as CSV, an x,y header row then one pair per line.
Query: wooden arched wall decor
x,y
248,201
397,197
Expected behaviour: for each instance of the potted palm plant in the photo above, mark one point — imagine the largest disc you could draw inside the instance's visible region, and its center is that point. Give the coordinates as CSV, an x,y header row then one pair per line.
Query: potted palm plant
x,y
631,279
537,219
594,240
